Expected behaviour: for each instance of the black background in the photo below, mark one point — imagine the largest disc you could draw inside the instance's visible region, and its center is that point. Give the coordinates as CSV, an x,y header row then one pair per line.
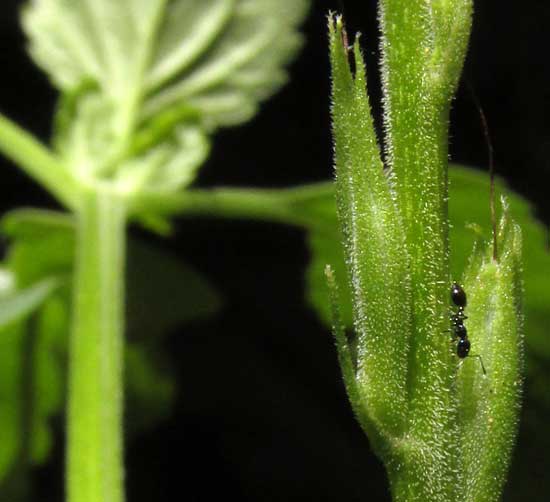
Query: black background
x,y
260,413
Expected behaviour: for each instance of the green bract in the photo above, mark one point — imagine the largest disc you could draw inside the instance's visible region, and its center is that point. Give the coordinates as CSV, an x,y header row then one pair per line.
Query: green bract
x,y
435,432
488,408
378,271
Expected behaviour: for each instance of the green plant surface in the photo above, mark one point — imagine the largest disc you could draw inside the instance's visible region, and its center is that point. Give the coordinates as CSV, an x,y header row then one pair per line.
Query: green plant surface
x,y
489,407
469,219
37,162
94,431
367,213
423,46
139,102
41,234
420,443
31,386
165,79
313,207
142,88
40,258
18,305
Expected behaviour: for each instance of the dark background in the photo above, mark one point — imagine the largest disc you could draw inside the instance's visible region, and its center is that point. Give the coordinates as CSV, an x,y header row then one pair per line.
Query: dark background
x,y
260,413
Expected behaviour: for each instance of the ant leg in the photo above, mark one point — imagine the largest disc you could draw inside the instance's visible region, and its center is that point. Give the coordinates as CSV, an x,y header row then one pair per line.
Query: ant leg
x,y
481,362
454,316
453,335
477,356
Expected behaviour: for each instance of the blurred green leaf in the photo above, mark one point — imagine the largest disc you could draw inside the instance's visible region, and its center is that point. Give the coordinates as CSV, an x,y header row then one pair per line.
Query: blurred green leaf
x,y
219,56
149,388
34,326
140,97
47,372
163,292
41,246
33,318
31,386
20,304
11,399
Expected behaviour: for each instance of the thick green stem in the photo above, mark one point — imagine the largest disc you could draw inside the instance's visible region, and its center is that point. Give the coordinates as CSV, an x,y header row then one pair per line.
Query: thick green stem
x,y
94,451
423,47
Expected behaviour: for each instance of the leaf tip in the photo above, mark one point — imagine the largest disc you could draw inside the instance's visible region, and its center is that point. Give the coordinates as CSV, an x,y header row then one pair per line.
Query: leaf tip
x,y
337,30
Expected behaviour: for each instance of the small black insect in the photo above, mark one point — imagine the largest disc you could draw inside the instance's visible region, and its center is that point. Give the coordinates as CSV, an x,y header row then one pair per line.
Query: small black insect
x,y
459,331
458,295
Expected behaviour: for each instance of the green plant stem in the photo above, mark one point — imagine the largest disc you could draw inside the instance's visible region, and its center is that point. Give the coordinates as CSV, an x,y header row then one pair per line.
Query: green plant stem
x,y
94,451
280,205
38,162
424,44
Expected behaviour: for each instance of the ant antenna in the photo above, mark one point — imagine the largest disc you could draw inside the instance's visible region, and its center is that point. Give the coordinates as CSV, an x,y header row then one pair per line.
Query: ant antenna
x,y
341,7
481,362
491,160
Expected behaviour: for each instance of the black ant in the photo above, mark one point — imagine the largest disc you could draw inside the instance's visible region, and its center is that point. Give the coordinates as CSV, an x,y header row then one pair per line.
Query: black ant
x,y
458,297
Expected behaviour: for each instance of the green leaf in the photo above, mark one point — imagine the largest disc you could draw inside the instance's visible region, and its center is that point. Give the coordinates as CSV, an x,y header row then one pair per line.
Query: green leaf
x,y
218,55
248,44
163,154
138,74
170,165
